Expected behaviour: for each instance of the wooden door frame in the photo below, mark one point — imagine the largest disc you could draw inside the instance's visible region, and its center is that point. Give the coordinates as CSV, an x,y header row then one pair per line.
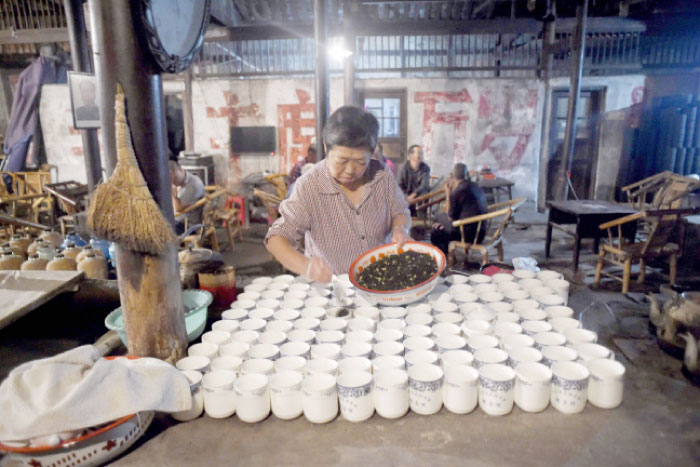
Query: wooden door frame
x,y
402,94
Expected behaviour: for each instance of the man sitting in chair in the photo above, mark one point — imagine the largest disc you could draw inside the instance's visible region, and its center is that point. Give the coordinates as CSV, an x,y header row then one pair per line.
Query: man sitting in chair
x,y
187,189
464,199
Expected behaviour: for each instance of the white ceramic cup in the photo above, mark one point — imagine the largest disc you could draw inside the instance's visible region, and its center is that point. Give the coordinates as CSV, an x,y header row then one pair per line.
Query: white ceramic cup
x,y
290,363
450,317
419,307
312,324
246,337
481,314
418,343
419,318
299,286
547,275
226,325
391,324
562,324
318,312
275,338
440,329
511,341
301,335
292,303
496,389
354,364
489,356
606,384
392,312
444,307
456,357
361,324
416,330
320,398
456,279
425,383
490,297
321,365
234,349
369,312
580,336
219,397
217,338
254,296
330,337
481,341
448,342
356,349
460,391
194,378
569,387
388,348
465,298
552,354
517,355
530,283
502,277
524,274
227,363
588,352
532,386
501,307
243,304
286,314
391,398
391,335
330,351
532,314
235,314
253,398
561,287
321,302
559,311
550,300
524,304
473,327
530,328
295,349
203,349
456,289
274,285
254,287
388,362
545,339
514,295
419,357
286,400
266,351
485,288
439,296
334,324
261,313
355,395
507,317
194,363
479,279
253,324
359,336
502,329
294,294
261,366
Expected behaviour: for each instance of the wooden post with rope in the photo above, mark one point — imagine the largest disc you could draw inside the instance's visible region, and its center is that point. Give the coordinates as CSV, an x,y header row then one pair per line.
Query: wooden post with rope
x,y
149,284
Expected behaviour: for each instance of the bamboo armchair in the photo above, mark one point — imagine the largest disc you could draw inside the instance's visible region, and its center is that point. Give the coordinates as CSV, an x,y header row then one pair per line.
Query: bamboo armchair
x,y
214,214
666,188
654,244
270,201
500,215
279,182
424,207
27,198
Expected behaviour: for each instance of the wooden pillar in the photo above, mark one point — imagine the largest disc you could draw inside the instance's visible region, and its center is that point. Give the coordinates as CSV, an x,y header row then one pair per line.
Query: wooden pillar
x,y
82,62
187,111
149,286
349,65
579,41
320,41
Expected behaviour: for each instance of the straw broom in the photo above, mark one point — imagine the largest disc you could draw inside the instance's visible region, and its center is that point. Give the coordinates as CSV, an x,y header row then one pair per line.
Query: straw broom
x,y
122,209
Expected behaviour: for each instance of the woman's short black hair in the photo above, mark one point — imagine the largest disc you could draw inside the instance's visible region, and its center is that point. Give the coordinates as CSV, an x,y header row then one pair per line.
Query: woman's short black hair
x,y
351,127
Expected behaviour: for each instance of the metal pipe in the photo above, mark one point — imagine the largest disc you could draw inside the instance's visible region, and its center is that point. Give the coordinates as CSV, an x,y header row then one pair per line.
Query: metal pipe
x,y
349,62
320,38
579,44
80,54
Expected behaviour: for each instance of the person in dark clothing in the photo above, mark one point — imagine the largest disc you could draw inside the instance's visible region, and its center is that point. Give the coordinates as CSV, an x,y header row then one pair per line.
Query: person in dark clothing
x,y
296,170
415,176
464,199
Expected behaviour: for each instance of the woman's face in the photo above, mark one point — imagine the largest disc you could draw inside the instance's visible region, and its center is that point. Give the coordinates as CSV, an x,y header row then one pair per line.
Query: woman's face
x,y
348,165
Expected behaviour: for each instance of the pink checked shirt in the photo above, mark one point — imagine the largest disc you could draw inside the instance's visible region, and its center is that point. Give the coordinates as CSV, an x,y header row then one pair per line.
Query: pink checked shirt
x,y
332,228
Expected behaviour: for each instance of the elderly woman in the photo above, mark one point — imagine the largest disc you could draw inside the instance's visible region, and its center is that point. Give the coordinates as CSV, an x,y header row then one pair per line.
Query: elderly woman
x,y
347,204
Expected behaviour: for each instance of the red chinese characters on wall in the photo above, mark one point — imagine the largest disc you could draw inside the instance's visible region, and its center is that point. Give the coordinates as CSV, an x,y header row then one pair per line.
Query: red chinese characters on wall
x,y
432,115
296,126
507,119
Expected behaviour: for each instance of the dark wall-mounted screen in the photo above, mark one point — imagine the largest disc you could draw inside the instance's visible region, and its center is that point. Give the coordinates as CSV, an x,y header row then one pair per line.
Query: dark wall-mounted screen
x,y
253,139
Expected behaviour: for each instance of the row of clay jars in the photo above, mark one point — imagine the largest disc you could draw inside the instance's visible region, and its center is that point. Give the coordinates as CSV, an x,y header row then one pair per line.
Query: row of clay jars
x,y
93,265
23,242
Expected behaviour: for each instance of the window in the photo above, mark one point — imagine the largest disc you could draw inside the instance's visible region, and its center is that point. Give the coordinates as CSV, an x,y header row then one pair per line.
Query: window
x,y
388,112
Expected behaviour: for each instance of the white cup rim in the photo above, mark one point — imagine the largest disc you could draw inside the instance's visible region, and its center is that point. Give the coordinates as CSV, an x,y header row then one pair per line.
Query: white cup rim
x,y
423,356
218,379
354,379
461,374
319,382
286,379
497,372
391,377
321,365
397,362
463,357
533,372
606,368
250,382
530,354
194,362
193,377
298,360
425,372
570,371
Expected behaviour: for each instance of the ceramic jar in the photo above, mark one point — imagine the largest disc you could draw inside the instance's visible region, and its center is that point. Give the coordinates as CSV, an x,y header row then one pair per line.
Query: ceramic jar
x,y
320,398
569,387
425,383
94,267
46,251
355,396
21,241
71,251
496,389
52,237
61,263
197,398
460,391
253,398
87,249
285,395
10,261
15,249
532,386
34,263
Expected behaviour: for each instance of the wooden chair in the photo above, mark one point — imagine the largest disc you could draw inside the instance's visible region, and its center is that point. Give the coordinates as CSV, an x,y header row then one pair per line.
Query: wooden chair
x,y
208,207
225,214
666,190
270,201
653,244
279,181
494,222
425,207
27,198
71,198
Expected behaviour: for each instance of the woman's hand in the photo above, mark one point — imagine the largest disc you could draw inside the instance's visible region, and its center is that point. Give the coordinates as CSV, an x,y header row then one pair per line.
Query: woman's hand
x,y
398,235
317,270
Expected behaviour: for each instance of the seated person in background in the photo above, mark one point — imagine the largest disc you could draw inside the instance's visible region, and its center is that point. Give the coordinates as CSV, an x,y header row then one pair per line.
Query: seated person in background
x,y
464,199
308,166
186,190
296,170
379,155
415,176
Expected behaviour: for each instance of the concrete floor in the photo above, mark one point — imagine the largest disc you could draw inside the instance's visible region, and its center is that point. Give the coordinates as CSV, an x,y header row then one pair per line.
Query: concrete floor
x,y
657,424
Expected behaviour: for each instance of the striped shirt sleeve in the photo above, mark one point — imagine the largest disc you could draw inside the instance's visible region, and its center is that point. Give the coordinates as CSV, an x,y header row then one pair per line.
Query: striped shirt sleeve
x,y
295,217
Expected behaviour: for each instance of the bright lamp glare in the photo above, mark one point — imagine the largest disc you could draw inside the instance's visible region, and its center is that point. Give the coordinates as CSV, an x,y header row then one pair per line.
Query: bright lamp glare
x,y
338,52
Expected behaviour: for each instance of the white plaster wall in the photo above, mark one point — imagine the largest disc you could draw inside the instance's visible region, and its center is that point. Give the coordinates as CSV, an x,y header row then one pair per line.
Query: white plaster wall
x,y
63,143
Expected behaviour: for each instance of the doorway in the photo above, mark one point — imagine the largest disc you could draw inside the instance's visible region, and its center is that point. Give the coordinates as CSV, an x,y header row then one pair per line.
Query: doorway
x,y
389,106
585,160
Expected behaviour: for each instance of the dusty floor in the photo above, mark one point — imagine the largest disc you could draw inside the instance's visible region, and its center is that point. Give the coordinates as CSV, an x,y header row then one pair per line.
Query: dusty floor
x,y
658,423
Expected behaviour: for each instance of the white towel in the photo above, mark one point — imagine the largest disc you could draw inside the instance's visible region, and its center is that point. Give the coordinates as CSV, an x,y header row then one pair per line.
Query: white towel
x,y
78,389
